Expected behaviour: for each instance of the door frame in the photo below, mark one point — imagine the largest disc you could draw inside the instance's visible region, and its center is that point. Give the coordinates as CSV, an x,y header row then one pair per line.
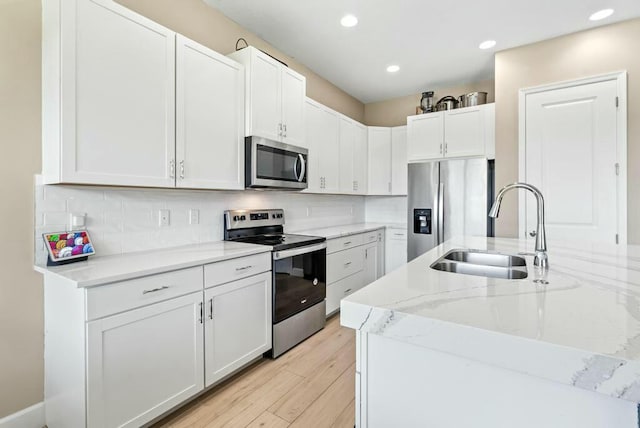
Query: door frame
x,y
620,77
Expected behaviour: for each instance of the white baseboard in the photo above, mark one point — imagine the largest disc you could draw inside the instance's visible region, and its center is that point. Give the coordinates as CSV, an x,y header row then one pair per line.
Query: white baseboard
x,y
31,417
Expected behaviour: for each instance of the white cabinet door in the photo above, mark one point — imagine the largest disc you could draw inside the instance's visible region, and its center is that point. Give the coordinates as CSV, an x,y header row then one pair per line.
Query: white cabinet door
x,y
209,118
464,132
293,97
117,96
379,180
370,271
341,289
328,144
395,249
360,159
399,160
264,102
380,269
425,136
312,118
238,324
143,362
347,137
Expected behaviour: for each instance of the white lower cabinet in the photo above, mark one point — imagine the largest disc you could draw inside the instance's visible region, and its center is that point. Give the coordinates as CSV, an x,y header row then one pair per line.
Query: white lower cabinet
x,y
353,262
143,362
396,249
237,325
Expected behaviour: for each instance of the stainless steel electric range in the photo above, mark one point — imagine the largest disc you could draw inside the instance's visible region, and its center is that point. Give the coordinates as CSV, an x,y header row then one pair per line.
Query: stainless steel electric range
x,y
299,273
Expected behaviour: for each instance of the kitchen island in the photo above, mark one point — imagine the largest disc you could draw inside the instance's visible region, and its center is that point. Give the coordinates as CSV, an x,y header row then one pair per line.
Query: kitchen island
x,y
558,349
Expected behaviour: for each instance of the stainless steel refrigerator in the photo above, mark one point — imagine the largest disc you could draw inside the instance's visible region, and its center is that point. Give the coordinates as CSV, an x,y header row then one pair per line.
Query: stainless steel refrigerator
x,y
446,199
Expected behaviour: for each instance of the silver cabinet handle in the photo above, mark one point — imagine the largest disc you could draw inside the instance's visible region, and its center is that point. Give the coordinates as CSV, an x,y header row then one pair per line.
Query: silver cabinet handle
x,y
164,287
211,308
446,148
284,130
347,243
347,291
280,129
399,234
440,148
243,268
389,187
201,312
172,168
182,169
347,264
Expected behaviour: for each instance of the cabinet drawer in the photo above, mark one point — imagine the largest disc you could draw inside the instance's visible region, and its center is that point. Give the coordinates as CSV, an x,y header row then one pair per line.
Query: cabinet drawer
x,y
341,289
230,270
122,296
344,263
397,234
371,237
340,244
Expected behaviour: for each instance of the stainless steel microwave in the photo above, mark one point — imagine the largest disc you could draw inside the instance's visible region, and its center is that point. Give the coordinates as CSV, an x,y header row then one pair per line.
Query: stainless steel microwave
x,y
275,165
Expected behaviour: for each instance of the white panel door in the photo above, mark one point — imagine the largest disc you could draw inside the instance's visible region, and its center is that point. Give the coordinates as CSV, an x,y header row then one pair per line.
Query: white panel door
x,y
379,181
118,96
264,106
399,171
464,132
209,118
293,98
237,324
571,157
360,159
328,145
144,362
347,137
425,136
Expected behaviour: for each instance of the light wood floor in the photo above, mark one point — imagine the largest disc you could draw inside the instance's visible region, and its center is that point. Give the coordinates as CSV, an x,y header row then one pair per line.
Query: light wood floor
x,y
310,386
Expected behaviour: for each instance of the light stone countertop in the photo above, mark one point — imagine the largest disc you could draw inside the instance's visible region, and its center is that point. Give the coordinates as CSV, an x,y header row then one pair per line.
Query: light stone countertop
x,y
349,229
99,270
581,329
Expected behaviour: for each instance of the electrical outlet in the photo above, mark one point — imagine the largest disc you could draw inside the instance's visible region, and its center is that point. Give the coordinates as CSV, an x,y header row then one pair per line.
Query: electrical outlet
x,y
164,218
194,216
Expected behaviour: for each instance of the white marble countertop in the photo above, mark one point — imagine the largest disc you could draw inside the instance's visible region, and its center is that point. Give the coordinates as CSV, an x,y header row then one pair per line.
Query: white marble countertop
x,y
581,329
349,229
107,269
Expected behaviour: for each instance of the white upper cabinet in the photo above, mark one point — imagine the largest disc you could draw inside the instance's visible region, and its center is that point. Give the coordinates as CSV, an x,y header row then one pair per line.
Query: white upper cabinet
x,y
360,159
399,160
463,132
209,118
324,146
347,136
275,98
108,95
379,161
425,136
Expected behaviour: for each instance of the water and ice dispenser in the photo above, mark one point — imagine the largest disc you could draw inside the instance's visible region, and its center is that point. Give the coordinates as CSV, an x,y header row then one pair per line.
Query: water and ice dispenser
x,y
422,221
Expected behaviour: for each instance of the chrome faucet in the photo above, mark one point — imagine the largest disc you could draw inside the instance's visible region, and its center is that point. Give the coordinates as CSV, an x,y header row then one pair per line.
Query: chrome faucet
x,y
541,259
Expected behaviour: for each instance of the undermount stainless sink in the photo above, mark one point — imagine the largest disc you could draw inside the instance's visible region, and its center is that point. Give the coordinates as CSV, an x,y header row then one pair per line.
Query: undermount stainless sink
x,y
482,263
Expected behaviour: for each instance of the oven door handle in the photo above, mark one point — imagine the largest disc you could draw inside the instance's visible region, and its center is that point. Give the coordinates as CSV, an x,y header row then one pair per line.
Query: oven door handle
x,y
278,255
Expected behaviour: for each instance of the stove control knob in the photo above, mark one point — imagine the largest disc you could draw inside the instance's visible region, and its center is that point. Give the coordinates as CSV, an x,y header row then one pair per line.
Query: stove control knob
x,y
273,216
236,218
243,217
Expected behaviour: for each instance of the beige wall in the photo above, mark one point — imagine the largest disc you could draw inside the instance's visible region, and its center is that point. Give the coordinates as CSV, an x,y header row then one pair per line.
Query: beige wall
x,y
21,312
597,51
394,112
205,25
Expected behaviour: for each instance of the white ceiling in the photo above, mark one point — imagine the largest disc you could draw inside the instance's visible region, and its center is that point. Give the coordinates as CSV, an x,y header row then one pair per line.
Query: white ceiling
x,y
435,43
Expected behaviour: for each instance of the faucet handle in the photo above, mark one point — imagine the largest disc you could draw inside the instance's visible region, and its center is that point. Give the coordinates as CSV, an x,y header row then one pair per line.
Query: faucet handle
x,y
533,233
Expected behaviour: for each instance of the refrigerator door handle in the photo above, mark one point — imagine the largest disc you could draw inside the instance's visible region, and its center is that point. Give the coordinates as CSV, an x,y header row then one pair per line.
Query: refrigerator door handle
x,y
441,214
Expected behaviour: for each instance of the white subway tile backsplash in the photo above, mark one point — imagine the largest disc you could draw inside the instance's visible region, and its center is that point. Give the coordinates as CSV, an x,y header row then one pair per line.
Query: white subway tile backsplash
x,y
123,220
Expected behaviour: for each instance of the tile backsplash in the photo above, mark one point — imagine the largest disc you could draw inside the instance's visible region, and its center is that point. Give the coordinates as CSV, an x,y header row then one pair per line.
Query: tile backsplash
x,y
122,220
386,209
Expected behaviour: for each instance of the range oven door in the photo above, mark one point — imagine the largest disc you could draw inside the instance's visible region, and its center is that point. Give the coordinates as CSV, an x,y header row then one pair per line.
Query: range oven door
x,y
276,165
299,279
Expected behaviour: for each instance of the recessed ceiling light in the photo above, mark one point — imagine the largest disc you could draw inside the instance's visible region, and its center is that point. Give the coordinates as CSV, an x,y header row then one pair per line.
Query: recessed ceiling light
x,y
393,68
349,21
487,44
601,14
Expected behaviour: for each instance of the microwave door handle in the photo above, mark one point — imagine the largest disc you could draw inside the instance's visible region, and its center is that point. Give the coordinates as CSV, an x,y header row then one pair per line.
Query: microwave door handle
x,y
303,167
295,168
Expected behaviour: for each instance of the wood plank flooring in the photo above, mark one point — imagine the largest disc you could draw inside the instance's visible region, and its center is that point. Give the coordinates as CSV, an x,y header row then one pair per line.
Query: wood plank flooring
x,y
311,386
